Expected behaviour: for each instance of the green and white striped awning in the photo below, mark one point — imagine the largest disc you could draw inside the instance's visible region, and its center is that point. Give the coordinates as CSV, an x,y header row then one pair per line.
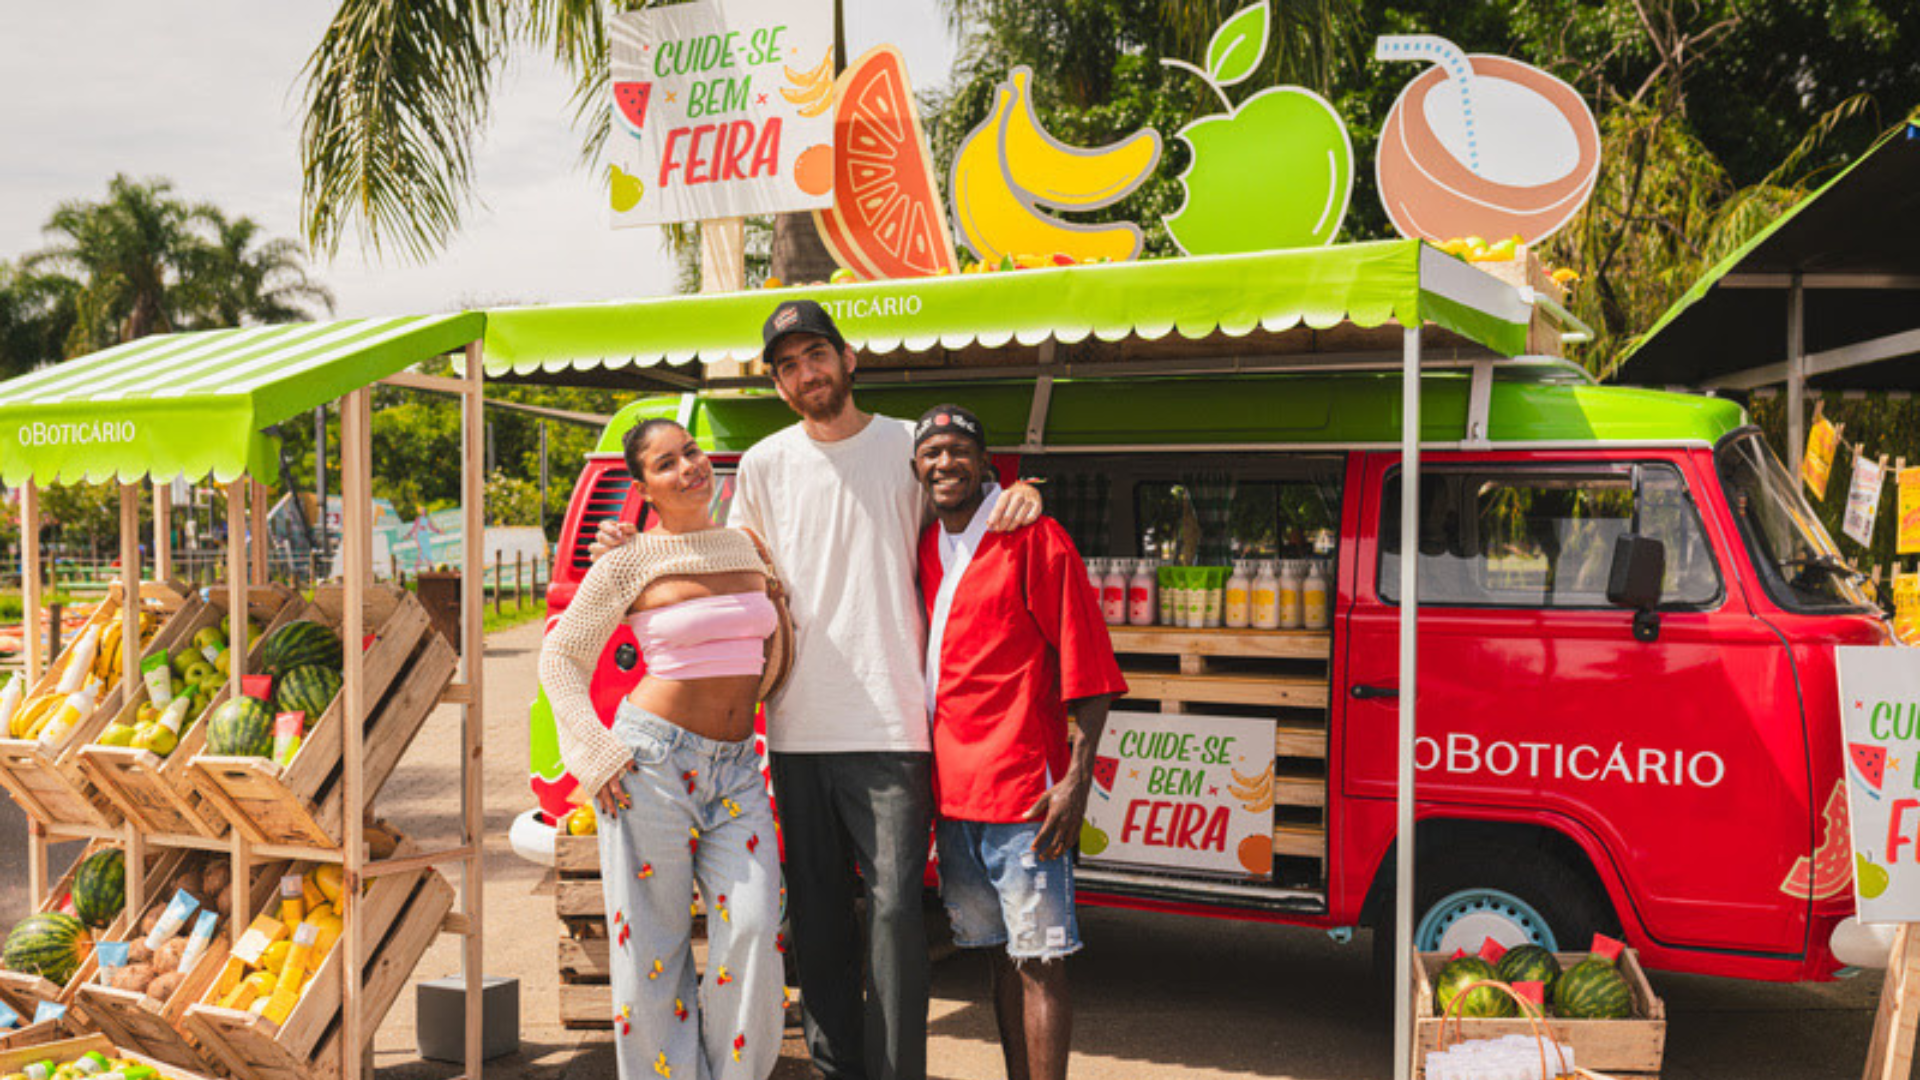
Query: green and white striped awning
x,y
197,404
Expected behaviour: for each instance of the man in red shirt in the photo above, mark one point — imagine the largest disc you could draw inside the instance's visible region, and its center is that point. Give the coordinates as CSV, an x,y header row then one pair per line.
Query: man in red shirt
x,y
1015,641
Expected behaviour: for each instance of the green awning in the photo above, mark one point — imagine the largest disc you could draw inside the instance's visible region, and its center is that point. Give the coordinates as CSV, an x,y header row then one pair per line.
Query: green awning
x,y
196,404
1366,285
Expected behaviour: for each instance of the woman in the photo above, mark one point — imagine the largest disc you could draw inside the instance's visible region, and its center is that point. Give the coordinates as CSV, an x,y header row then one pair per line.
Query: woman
x,y
676,782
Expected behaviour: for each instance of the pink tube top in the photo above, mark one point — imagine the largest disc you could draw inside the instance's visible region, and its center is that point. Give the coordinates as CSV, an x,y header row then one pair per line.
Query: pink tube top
x,y
707,637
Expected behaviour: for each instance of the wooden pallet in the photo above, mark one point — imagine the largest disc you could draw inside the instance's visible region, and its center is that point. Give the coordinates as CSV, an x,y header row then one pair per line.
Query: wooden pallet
x,y
586,993
407,667
15,1060
47,781
1284,674
1632,1047
23,992
158,1027
158,793
398,918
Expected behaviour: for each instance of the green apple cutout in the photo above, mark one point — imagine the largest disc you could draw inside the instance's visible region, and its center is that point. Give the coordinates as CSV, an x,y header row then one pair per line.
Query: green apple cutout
x,y
1276,172
626,190
1873,877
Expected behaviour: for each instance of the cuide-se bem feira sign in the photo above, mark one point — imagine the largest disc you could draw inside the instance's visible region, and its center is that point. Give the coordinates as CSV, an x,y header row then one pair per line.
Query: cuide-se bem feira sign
x,y
721,110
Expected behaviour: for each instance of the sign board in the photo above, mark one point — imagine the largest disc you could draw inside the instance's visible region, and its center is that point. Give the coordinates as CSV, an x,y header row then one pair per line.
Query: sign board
x,y
1182,792
1863,499
1823,441
721,109
1908,536
1880,707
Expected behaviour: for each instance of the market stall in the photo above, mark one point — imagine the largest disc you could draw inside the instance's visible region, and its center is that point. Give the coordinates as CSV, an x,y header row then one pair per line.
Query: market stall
x,y
1387,307
237,830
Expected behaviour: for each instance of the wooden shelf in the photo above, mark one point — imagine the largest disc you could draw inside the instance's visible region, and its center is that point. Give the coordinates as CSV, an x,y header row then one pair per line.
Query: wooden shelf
x,y
1262,644
1298,788
1292,691
1303,841
1300,738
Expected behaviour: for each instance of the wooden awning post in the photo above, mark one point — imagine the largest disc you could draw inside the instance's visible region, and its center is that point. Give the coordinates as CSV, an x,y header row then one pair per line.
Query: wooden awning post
x,y
473,647
236,582
356,555
260,540
162,530
129,589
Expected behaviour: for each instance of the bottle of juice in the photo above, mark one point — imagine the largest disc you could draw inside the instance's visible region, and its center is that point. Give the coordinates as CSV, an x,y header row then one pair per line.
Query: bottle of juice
x,y
1314,605
1239,601
1290,585
1266,598
1142,601
1096,574
1113,593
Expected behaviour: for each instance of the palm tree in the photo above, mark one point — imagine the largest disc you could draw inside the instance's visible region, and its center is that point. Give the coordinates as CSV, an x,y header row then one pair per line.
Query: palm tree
x,y
37,312
131,253
241,277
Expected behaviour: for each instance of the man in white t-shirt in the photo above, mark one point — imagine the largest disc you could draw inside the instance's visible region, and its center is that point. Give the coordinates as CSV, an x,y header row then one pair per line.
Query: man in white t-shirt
x,y
851,749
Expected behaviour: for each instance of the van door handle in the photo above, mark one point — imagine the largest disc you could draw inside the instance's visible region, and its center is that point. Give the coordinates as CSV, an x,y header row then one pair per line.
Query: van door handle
x,y
1373,693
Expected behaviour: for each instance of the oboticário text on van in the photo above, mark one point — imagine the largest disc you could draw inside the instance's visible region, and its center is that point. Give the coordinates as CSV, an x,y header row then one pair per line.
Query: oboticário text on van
x,y
1462,754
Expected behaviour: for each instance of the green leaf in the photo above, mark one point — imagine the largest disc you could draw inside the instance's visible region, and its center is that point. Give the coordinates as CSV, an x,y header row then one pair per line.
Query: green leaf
x,y
1238,45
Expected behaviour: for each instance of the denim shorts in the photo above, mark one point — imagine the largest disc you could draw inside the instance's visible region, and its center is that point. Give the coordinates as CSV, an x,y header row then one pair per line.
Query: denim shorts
x,y
998,891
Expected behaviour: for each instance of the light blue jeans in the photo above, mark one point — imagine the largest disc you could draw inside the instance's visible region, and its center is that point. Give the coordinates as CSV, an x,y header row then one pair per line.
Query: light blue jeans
x,y
699,814
998,892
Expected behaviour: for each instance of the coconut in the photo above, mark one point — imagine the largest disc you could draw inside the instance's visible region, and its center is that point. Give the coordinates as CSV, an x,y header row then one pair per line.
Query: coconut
x,y
138,953
152,920
167,957
134,977
215,878
164,986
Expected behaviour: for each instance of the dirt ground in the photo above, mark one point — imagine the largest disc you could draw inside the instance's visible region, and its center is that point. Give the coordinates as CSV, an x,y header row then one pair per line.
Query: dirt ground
x,y
1159,996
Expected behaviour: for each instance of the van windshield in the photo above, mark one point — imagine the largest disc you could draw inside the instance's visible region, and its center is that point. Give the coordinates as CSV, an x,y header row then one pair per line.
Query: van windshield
x,y
1798,562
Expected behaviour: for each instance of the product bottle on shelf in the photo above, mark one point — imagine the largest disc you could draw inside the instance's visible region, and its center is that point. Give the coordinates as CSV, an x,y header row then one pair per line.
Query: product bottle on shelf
x,y
1266,598
1290,587
1239,603
1313,596
1113,593
1169,597
1142,601
1096,574
1216,595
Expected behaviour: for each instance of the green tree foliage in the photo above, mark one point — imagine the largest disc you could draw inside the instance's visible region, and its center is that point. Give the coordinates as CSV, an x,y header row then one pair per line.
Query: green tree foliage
x,y
37,313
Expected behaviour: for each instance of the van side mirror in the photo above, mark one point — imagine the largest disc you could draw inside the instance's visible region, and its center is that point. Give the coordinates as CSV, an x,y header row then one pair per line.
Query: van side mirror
x,y
1639,563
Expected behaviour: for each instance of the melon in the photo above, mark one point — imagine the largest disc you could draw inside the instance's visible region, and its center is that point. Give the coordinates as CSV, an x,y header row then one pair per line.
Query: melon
x,y
241,726
100,887
50,945
1529,963
887,219
1481,1001
308,689
299,644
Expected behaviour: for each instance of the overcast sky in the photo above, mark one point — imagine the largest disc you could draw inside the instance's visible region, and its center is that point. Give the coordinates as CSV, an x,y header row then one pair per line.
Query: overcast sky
x,y
206,93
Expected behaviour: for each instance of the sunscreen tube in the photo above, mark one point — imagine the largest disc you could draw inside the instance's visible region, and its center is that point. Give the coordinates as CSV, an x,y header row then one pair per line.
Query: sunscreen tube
x,y
179,910
10,699
159,679
112,956
202,937
80,663
293,906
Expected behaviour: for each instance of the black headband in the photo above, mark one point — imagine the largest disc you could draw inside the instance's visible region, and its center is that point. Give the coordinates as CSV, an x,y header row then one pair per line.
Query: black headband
x,y
949,420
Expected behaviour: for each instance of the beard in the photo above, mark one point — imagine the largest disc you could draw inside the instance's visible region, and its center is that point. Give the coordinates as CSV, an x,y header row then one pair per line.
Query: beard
x,y
821,402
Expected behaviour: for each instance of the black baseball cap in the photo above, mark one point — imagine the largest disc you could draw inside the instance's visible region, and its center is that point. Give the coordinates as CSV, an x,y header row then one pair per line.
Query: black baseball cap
x,y
797,317
949,420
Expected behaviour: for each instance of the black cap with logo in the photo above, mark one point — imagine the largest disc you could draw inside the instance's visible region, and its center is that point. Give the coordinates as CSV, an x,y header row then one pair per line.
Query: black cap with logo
x,y
949,420
798,317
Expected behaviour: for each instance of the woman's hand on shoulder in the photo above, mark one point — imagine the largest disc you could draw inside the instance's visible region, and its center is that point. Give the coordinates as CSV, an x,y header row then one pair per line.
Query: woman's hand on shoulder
x,y
611,534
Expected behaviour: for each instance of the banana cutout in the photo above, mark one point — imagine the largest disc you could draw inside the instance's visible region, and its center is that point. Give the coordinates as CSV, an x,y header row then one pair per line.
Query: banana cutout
x,y
1009,167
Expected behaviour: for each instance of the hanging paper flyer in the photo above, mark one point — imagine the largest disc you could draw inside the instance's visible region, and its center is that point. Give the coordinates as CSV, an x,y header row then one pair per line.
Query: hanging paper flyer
x,y
1863,499
721,109
1817,466
1907,534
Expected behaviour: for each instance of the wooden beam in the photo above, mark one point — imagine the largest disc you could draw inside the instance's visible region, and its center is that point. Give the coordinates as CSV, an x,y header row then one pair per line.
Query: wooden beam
x,y
129,590
1890,1054
415,380
162,530
1821,281
237,582
473,649
356,483
260,540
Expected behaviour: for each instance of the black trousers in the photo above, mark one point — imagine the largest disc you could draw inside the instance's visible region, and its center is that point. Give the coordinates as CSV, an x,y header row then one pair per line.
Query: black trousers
x,y
847,818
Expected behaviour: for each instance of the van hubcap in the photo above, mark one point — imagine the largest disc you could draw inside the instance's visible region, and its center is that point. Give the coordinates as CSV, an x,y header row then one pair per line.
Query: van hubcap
x,y
1469,917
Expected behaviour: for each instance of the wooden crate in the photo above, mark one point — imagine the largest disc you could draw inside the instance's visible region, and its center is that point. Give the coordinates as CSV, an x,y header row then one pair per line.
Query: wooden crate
x,y
407,667
157,1027
159,793
398,918
25,992
16,1059
1631,1047
58,1029
47,781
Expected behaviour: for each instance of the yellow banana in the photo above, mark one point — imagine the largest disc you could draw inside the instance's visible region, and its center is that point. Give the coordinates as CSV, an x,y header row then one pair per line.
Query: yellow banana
x,y
1250,781
820,106
997,221
820,74
1066,177
806,95
1252,794
1260,805
34,715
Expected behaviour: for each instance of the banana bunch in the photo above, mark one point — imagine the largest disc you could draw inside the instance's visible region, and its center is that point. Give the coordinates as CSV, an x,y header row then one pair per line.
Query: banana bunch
x,y
1254,792
32,715
1009,168
811,90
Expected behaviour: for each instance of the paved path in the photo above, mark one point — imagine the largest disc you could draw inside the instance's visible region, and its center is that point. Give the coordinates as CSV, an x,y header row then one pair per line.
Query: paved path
x,y
1158,996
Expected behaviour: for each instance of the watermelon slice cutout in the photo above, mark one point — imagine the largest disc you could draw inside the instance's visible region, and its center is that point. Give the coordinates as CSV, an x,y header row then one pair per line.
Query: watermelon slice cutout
x,y
1830,872
1869,765
1105,771
630,104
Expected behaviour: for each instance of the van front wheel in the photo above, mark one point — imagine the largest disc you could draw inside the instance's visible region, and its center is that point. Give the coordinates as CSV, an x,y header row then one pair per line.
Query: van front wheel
x,y
1468,894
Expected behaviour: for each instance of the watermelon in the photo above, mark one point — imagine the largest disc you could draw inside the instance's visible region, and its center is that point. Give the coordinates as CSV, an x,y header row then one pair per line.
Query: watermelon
x,y
1481,1001
50,945
887,219
1105,771
308,689
241,726
301,644
630,104
1870,763
1594,989
1529,963
100,887
1829,872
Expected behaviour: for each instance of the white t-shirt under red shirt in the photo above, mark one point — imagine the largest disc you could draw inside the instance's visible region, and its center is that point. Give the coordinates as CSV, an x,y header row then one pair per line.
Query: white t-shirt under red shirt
x,y
842,520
